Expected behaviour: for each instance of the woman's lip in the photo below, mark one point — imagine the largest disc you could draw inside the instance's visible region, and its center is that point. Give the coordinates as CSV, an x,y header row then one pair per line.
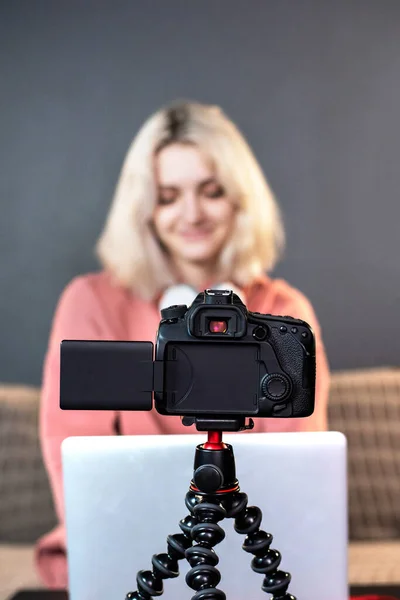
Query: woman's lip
x,y
194,234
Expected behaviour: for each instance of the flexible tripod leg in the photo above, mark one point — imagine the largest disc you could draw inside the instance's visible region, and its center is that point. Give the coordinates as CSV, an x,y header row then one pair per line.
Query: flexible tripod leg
x,y
214,494
266,560
203,576
165,565
214,481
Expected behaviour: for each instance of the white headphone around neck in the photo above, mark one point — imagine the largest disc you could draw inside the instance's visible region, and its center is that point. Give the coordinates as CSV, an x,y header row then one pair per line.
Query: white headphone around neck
x,y
185,294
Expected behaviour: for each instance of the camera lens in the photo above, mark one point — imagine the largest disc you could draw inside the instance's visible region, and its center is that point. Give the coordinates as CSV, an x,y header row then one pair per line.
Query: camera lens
x,y
218,326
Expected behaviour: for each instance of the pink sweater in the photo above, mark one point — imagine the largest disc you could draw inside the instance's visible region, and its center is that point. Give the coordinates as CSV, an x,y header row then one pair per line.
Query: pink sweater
x,y
92,307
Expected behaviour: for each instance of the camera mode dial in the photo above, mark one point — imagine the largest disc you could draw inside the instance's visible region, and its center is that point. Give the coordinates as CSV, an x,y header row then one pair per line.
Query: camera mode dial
x,y
171,313
276,386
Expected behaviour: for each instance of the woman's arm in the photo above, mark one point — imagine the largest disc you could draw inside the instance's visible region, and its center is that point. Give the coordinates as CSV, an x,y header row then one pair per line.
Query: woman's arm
x,y
78,316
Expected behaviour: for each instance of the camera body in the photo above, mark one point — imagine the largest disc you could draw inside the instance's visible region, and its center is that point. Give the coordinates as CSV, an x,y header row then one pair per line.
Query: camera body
x,y
213,360
221,359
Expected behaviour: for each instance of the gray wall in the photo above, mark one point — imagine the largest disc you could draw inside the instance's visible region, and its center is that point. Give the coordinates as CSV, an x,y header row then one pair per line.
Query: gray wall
x,y
315,87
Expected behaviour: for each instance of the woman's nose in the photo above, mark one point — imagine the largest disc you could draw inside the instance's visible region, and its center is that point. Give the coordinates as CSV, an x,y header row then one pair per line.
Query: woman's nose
x,y
192,210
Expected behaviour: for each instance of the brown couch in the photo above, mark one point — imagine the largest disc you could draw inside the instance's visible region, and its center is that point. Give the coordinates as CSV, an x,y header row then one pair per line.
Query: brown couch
x,y
364,405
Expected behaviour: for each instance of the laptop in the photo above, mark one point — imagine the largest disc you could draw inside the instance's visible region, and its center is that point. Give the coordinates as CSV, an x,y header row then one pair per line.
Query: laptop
x,y
125,494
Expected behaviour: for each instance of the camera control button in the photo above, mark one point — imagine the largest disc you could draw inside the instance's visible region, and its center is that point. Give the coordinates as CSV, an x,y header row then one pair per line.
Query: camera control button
x,y
276,386
177,311
260,333
208,478
281,410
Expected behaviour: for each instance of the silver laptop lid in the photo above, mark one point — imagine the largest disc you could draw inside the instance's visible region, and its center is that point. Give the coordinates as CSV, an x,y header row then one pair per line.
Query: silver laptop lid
x,y
124,495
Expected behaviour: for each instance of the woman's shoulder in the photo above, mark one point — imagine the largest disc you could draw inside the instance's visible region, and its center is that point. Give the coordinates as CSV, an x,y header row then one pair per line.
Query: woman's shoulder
x,y
90,295
91,285
277,296
100,292
92,304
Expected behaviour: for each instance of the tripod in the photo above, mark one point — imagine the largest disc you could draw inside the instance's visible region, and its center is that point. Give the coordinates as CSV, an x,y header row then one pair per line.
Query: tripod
x,y
213,496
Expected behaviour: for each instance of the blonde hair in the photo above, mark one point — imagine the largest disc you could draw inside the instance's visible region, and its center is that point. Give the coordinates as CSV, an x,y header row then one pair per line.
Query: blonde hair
x,y
127,246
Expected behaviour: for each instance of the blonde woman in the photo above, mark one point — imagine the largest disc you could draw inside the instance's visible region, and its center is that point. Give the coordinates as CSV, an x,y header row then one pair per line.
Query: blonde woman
x,y
191,207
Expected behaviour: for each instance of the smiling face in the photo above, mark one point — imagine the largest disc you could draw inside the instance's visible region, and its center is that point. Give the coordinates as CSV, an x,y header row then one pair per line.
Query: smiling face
x,y
193,217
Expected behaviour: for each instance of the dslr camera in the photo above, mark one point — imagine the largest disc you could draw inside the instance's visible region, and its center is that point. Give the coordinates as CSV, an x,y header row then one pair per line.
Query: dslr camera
x,y
214,363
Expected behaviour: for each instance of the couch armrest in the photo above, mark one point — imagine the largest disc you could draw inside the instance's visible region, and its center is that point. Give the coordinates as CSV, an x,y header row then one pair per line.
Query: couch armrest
x,y
26,506
365,406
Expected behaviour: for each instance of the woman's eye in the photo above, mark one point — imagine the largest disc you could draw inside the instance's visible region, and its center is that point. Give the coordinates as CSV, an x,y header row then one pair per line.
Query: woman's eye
x,y
214,191
167,198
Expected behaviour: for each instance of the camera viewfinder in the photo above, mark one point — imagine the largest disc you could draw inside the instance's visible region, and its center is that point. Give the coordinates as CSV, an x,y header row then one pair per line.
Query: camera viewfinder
x,y
218,326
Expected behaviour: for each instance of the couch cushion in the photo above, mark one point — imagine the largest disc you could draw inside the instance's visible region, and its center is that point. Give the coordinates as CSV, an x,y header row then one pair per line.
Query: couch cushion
x,y
26,507
374,562
365,406
17,570
369,562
